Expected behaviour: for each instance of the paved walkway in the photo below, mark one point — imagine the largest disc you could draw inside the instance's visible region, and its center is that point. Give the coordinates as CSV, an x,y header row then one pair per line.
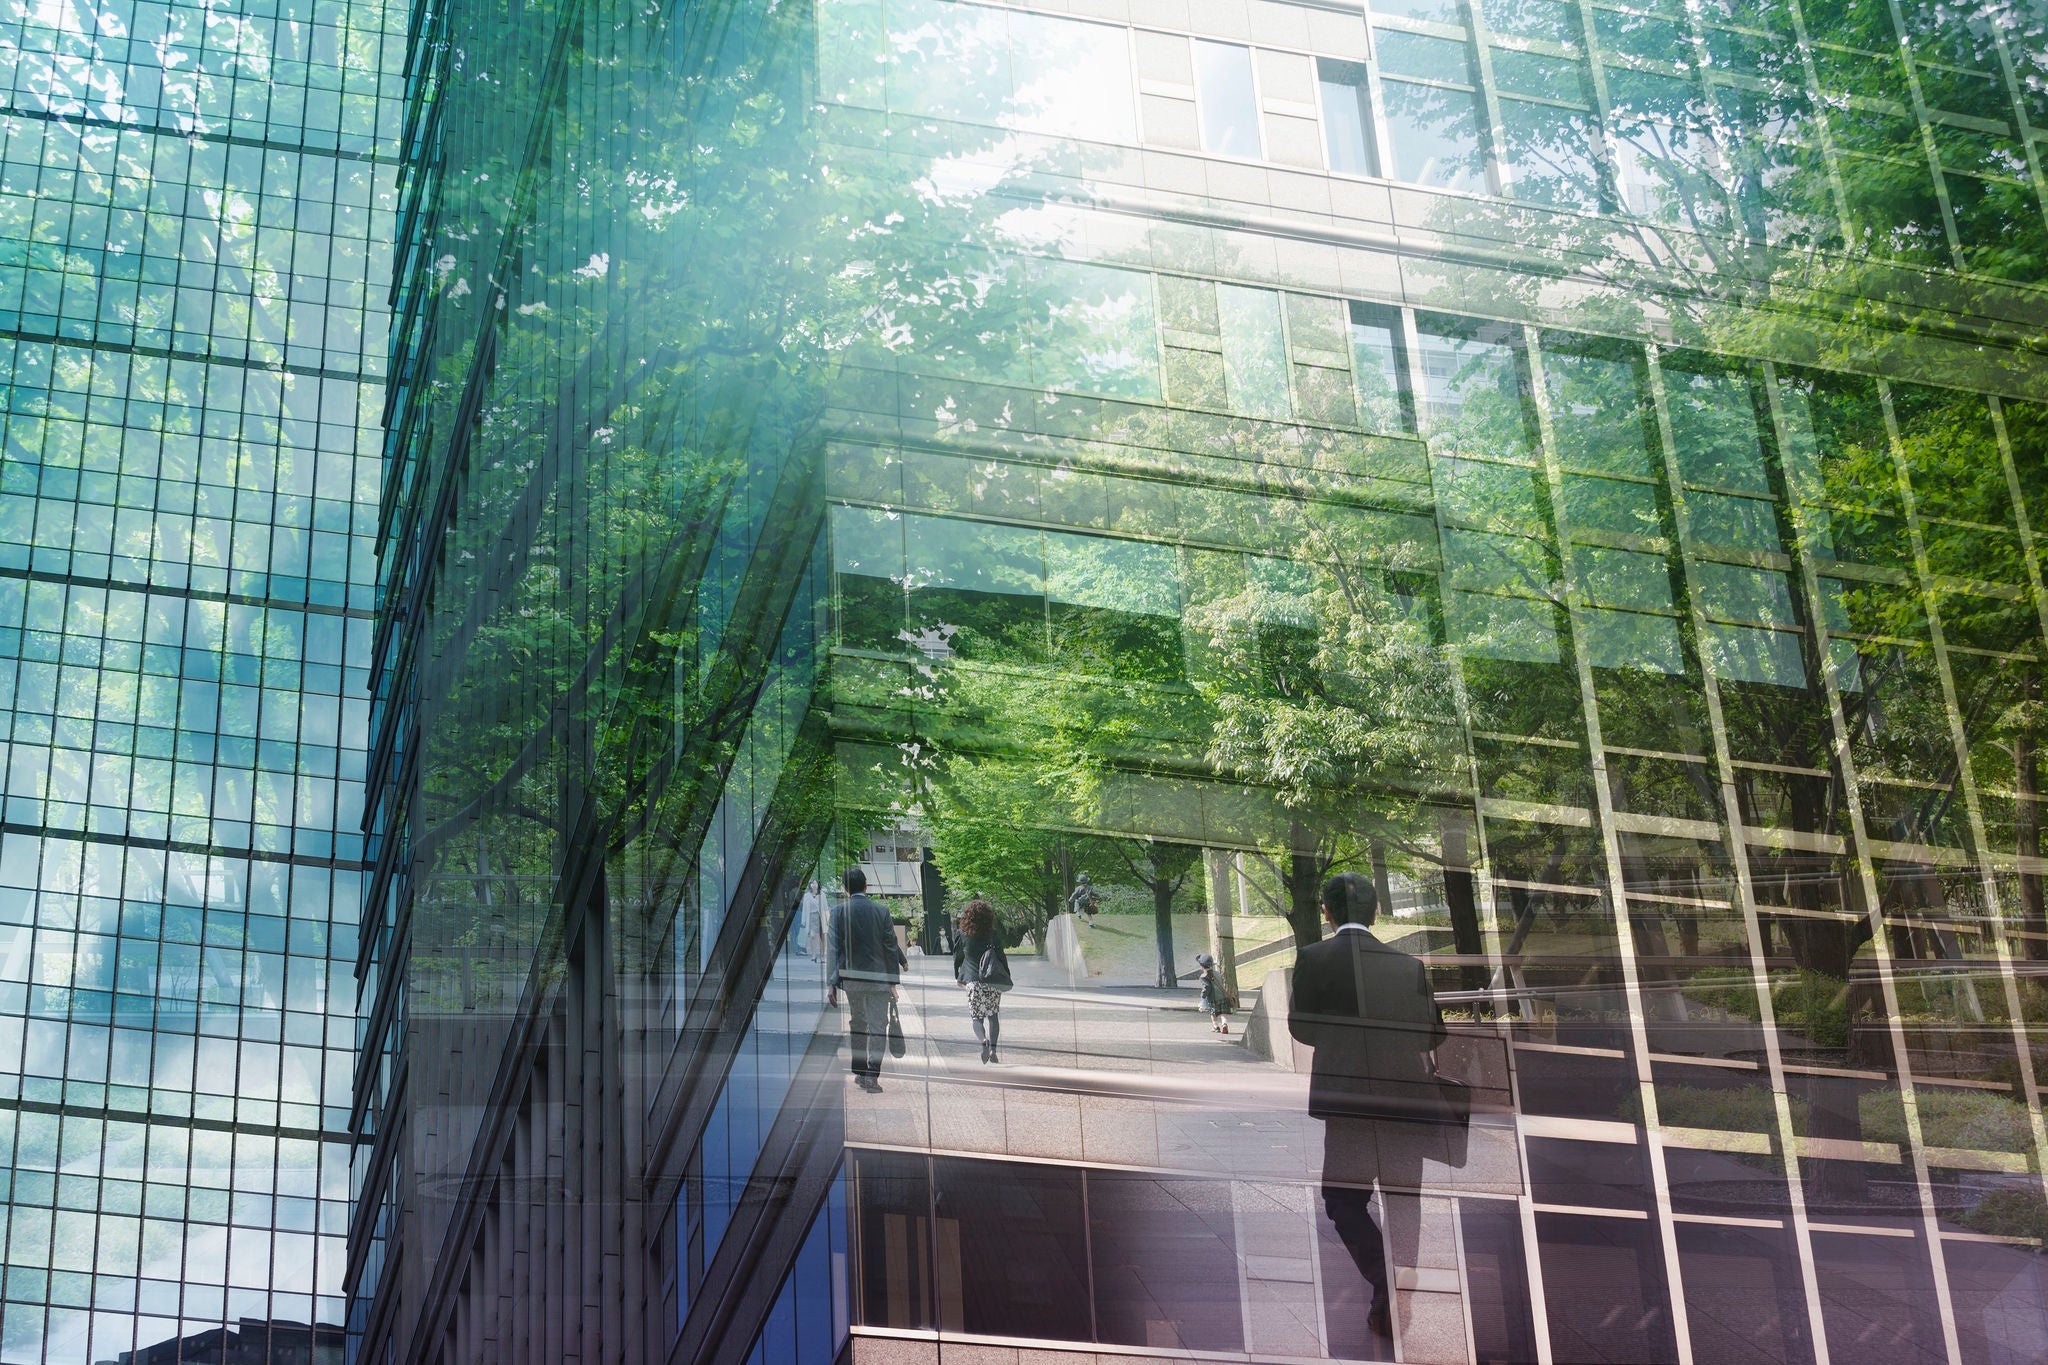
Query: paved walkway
x,y
1048,1022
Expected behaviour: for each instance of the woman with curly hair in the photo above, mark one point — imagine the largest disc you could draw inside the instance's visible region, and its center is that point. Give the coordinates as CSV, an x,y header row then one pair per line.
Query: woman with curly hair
x,y
982,971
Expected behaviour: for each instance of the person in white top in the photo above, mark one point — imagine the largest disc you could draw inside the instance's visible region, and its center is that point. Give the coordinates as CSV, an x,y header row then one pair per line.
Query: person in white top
x,y
810,922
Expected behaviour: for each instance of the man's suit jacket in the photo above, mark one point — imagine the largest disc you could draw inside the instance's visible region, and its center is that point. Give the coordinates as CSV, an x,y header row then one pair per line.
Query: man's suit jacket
x,y
1371,1054
865,953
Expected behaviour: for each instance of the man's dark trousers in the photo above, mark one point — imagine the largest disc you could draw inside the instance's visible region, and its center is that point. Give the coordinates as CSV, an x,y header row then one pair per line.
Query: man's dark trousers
x,y
867,1009
1359,1154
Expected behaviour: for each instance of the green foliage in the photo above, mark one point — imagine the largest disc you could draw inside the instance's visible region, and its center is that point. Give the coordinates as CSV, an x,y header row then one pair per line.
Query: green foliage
x,y
1746,1110
2009,1213
1816,1005
1737,997
984,820
1329,686
1973,1120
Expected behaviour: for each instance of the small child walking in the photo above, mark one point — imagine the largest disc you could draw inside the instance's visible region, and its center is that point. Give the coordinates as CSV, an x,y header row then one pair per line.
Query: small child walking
x,y
1217,1001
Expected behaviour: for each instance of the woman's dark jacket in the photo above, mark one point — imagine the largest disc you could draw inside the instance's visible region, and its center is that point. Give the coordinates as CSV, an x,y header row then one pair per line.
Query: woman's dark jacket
x,y
981,960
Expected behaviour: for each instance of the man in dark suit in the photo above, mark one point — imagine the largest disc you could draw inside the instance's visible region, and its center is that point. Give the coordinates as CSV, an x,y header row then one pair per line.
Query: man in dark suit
x,y
1373,1021
866,963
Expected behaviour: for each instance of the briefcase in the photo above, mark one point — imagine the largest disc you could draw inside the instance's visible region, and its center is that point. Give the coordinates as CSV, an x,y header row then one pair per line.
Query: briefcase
x,y
1455,1115
897,1046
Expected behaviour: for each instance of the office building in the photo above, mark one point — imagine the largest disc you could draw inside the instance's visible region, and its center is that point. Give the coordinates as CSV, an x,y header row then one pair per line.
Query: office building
x,y
192,325
1575,464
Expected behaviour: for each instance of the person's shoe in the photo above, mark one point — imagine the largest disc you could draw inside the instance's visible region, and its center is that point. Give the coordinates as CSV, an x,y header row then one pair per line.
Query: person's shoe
x,y
992,1055
1223,1028
985,1051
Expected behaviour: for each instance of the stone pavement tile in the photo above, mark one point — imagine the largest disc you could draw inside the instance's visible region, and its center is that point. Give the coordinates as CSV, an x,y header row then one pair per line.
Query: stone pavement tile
x,y
1249,1145
1282,1318
1432,1327
970,1353
1493,1161
1124,1131
1437,1246
898,1117
891,1351
1275,1221
1042,1123
967,1118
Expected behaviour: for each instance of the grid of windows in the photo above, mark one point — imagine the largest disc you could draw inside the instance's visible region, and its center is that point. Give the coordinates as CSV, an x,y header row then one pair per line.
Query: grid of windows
x,y
983,484
192,323
1738,648
1732,120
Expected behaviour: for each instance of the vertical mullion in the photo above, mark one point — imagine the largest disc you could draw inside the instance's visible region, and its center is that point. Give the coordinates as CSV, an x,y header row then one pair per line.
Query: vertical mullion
x,y
1918,103
1603,796
1483,891
1738,848
1408,363
1382,145
2030,555
1965,776
1500,178
1605,130
1866,874
2023,130
1818,112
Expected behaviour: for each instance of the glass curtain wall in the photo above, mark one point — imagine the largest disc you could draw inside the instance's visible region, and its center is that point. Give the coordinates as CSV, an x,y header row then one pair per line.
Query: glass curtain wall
x,y
1126,473
195,211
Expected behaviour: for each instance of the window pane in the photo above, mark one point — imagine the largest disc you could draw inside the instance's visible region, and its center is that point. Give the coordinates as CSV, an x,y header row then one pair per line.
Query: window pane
x,y
1472,394
1254,351
949,61
1382,370
977,589
1546,19
1550,154
1434,133
1072,79
1438,11
1347,124
1423,57
1163,1254
1532,73
1099,333
1012,1249
1229,108
1714,424
1597,408
980,65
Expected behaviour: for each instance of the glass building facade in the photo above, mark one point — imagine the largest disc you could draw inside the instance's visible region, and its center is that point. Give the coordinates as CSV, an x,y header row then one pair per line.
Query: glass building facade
x,y
1575,465
195,217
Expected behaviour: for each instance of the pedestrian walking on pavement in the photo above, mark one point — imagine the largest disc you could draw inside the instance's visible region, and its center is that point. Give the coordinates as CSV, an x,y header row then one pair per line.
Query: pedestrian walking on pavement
x,y
1369,1013
811,921
1217,1000
867,962
983,972
1084,901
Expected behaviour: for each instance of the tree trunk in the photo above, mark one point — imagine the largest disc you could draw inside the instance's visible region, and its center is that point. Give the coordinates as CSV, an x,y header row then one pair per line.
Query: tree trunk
x,y
1303,877
1162,929
1216,864
1382,884
1462,899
